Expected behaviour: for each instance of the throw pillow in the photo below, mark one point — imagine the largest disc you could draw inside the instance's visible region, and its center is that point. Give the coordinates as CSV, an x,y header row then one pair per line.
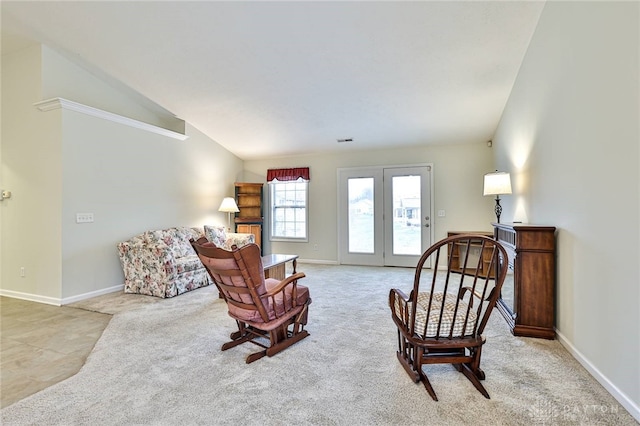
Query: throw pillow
x,y
216,235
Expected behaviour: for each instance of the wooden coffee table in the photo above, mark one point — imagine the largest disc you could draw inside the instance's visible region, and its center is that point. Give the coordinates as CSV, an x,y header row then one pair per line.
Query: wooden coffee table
x,y
275,265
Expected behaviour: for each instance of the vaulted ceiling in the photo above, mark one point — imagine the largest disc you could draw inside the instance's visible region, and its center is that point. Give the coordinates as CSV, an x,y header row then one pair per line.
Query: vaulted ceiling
x,y
281,78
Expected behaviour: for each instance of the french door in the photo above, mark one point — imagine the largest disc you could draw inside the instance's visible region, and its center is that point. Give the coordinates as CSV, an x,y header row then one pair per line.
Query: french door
x,y
384,215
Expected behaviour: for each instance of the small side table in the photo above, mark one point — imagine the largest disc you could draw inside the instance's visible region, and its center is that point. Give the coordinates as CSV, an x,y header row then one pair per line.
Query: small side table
x,y
275,265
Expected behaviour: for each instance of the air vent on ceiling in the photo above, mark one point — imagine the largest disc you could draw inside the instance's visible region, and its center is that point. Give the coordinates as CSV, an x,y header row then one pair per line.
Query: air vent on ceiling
x,y
345,140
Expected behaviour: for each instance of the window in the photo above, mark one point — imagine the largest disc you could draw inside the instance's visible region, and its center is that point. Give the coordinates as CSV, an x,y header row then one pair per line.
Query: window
x,y
289,211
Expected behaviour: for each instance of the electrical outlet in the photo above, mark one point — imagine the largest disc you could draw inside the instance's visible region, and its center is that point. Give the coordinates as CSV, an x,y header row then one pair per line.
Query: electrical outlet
x,y
84,217
315,247
441,213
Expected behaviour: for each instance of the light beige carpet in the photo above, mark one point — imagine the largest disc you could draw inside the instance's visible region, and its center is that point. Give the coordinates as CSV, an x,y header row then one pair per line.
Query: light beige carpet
x,y
159,362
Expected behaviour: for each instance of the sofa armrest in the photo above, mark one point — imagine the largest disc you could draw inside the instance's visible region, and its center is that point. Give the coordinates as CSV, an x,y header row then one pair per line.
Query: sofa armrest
x,y
239,239
146,262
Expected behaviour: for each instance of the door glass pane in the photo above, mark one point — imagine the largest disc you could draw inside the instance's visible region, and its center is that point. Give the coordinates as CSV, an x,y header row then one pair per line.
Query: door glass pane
x,y
361,218
407,217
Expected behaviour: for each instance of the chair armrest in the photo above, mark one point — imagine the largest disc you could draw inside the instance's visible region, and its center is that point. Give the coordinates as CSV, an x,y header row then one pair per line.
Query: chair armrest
x,y
399,304
475,293
401,294
284,294
290,279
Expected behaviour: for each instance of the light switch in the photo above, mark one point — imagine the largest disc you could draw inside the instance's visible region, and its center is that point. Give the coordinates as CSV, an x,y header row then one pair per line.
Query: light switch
x,y
84,217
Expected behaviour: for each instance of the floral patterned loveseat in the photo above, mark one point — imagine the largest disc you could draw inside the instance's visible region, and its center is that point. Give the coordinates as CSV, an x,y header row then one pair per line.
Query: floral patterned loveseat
x,y
162,263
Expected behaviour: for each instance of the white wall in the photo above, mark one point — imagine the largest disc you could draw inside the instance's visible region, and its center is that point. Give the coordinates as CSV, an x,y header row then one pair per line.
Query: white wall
x,y
78,84
570,137
31,170
132,180
457,176
61,162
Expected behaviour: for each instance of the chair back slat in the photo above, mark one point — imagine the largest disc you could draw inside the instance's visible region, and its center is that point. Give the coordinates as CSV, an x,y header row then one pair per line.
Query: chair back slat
x,y
455,301
229,272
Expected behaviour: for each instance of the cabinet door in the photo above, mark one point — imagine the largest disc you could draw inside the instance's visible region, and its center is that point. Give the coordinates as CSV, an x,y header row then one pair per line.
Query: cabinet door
x,y
254,229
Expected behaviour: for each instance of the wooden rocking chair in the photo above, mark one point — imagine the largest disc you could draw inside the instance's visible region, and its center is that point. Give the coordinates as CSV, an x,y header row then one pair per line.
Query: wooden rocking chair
x,y
269,313
443,318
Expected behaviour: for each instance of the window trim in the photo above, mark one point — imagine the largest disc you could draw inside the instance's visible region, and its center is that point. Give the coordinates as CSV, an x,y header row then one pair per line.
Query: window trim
x,y
272,212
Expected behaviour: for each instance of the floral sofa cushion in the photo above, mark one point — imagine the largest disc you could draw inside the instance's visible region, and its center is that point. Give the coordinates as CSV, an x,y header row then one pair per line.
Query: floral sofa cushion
x,y
226,240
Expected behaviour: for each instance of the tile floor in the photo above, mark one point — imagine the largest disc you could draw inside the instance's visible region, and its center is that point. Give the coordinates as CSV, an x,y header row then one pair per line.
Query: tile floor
x,y
41,345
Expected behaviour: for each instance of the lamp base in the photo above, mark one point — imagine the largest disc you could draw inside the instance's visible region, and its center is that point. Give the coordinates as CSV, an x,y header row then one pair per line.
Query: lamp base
x,y
498,208
228,221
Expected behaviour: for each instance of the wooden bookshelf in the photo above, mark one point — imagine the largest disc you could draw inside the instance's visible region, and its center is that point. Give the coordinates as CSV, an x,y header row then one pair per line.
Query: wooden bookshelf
x,y
250,218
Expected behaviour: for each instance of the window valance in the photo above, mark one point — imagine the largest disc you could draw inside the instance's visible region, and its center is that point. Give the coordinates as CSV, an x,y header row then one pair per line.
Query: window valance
x,y
283,175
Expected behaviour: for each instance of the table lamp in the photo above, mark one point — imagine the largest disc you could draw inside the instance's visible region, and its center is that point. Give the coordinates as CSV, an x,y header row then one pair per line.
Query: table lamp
x,y
497,183
229,206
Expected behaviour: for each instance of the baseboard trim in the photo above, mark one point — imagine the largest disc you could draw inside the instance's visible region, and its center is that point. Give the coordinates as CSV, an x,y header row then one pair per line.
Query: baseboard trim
x,y
620,396
57,301
318,261
31,297
91,294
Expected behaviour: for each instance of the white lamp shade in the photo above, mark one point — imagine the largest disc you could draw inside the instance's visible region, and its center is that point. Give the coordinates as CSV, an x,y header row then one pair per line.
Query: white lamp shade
x,y
228,205
497,183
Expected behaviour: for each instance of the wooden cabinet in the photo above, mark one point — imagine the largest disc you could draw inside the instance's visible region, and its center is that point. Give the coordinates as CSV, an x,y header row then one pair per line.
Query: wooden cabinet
x,y
251,228
457,253
527,301
250,218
